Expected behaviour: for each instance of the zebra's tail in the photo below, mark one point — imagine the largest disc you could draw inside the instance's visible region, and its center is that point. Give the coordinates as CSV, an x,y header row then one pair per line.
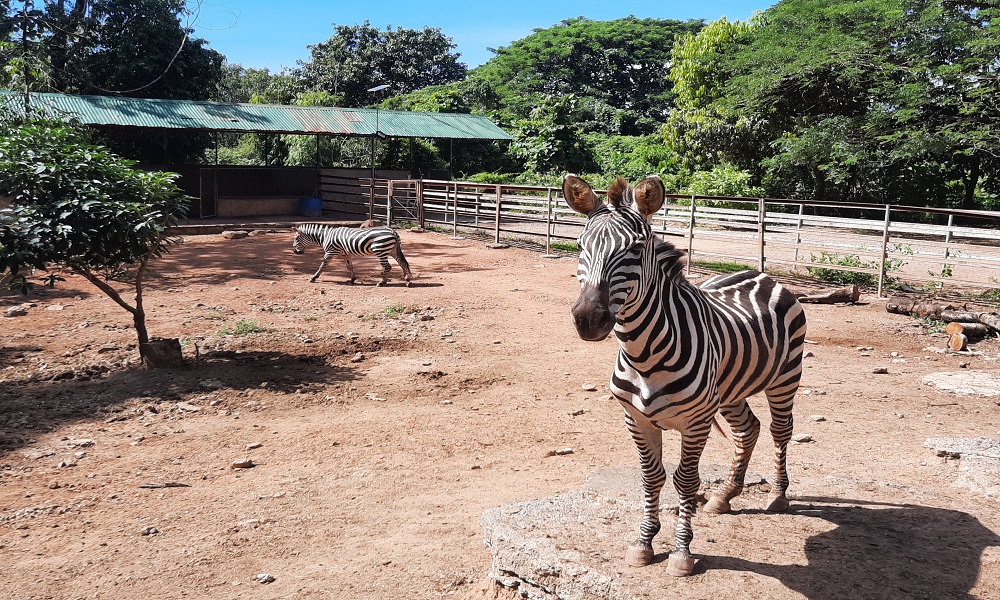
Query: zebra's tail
x,y
403,264
717,425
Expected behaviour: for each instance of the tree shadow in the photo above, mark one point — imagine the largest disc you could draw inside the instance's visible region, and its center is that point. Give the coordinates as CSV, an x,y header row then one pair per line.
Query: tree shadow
x,y
29,406
880,550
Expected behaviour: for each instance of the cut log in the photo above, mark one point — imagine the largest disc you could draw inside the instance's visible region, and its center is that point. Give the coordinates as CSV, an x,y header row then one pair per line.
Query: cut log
x,y
944,312
969,330
957,341
850,293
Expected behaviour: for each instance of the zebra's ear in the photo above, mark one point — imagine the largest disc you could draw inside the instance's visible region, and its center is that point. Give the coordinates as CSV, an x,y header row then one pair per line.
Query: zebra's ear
x,y
649,195
579,195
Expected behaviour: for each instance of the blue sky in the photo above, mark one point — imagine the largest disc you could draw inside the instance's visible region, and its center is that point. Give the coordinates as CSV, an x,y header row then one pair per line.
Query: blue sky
x,y
272,35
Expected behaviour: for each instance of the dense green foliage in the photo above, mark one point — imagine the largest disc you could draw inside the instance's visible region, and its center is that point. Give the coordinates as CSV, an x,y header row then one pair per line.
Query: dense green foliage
x,y
863,100
67,191
137,48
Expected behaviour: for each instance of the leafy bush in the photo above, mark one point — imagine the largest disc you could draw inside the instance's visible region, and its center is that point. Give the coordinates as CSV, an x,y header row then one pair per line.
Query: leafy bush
x,y
851,277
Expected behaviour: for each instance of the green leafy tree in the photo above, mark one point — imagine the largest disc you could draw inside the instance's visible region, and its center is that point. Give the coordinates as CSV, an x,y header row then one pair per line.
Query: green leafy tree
x,y
359,57
79,206
621,64
550,141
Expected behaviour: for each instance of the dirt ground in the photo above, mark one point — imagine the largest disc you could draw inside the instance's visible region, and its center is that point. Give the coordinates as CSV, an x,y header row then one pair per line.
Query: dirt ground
x,y
379,438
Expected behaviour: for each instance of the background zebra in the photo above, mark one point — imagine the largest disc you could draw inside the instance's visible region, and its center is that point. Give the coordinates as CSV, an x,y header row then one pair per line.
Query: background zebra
x,y
351,241
685,353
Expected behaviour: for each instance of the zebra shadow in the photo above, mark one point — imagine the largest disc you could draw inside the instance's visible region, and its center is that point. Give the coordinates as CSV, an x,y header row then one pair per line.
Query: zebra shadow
x,y
880,551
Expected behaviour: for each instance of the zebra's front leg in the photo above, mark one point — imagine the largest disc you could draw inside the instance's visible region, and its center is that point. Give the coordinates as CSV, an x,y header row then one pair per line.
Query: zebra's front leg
x,y
322,264
649,442
687,481
745,428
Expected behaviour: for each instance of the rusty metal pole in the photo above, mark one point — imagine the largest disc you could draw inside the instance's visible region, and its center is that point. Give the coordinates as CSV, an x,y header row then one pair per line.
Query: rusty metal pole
x,y
798,235
420,202
388,206
454,214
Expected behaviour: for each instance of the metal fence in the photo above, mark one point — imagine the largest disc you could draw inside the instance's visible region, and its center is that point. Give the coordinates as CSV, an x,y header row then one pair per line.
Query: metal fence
x,y
890,243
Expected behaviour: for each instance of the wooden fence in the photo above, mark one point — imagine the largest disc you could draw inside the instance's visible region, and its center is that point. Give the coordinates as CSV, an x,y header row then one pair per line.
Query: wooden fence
x,y
888,242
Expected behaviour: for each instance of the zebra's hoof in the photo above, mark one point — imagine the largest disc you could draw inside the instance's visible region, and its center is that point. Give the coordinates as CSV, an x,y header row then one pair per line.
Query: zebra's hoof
x,y
638,555
312,280
717,505
680,565
778,504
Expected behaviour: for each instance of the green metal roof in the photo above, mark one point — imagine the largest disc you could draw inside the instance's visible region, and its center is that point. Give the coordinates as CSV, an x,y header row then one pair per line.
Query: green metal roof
x,y
113,111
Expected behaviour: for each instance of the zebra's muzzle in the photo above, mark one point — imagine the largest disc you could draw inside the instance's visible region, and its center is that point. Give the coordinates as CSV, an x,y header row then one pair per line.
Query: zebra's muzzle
x,y
591,315
297,250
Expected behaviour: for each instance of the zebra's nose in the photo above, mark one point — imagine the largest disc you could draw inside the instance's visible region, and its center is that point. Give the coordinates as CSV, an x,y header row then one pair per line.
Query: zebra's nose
x,y
591,315
297,250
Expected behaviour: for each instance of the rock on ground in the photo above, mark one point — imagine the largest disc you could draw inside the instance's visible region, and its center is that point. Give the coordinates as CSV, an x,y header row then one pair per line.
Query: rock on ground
x,y
978,383
979,466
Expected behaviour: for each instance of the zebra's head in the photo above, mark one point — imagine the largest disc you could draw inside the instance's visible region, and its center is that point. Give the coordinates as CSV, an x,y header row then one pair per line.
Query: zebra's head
x,y
298,244
611,248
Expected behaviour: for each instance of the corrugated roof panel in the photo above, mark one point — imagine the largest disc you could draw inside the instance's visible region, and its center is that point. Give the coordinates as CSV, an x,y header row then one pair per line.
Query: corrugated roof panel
x,y
263,118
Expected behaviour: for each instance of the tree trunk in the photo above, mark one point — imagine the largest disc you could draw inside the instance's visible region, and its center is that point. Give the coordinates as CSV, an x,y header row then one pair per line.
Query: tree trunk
x,y
944,312
970,330
850,293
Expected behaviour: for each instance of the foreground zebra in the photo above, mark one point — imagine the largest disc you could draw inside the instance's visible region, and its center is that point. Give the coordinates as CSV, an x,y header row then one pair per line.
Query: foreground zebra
x,y
686,353
352,241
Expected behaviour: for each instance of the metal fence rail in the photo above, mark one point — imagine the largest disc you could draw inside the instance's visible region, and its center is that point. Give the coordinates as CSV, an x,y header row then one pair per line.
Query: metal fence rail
x,y
887,242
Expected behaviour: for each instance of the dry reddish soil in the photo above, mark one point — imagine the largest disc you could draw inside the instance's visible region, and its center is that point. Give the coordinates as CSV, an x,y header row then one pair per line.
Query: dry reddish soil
x,y
379,439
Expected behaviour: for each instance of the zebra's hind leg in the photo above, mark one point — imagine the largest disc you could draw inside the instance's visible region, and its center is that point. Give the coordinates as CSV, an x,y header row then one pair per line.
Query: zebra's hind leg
x,y
779,400
745,428
350,269
649,442
386,267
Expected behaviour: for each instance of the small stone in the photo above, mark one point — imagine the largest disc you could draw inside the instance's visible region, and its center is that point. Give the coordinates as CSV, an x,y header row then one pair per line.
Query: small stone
x,y
235,235
560,452
802,438
357,358
55,307
150,530
187,407
265,578
817,418
447,402
254,446
243,463
963,365
808,354
108,348
588,387
16,311
426,317
68,462
880,370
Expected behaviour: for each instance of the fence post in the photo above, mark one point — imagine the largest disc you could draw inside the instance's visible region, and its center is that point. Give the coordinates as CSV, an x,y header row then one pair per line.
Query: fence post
x,y
798,235
548,222
690,235
388,206
497,223
947,251
885,252
420,202
454,214
761,215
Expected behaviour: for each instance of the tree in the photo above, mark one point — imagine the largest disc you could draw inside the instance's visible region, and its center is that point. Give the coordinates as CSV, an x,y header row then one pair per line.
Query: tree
x,y
136,48
550,140
359,57
621,64
79,206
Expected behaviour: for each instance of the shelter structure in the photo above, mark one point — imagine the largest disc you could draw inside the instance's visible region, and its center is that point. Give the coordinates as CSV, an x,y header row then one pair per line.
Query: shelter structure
x,y
225,190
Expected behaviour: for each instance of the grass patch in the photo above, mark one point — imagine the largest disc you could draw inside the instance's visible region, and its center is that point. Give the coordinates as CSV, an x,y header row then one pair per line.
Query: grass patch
x,y
851,277
720,266
394,310
244,327
565,246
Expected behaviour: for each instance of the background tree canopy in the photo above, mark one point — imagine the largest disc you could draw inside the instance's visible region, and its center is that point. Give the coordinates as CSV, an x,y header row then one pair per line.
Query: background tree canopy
x,y
874,100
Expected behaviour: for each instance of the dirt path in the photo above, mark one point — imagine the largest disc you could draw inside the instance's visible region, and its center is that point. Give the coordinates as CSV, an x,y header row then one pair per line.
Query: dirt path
x,y
379,438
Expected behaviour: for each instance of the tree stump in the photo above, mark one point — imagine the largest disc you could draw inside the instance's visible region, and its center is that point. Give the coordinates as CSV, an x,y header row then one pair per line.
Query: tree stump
x,y
161,353
970,330
958,342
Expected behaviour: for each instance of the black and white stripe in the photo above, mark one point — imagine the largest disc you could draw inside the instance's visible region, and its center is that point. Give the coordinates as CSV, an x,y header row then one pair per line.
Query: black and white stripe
x,y
346,242
686,352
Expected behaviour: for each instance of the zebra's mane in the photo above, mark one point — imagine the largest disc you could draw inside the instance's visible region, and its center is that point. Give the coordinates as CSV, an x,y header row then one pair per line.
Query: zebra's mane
x,y
668,257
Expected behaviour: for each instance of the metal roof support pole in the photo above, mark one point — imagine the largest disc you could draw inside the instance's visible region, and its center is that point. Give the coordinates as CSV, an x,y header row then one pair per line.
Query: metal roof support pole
x,y
371,186
318,161
451,158
454,215
215,139
885,252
